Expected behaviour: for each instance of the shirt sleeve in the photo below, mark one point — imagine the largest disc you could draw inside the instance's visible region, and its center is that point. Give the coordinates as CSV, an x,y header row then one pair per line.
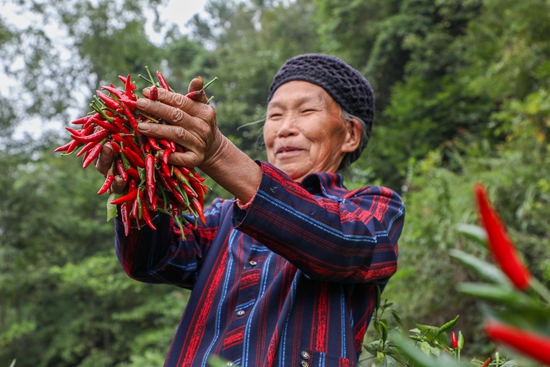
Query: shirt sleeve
x,y
352,238
164,255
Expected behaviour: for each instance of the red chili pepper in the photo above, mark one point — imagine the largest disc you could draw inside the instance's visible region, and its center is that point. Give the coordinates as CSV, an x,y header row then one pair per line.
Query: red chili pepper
x,y
109,102
165,143
64,147
86,147
129,88
500,244
119,122
131,119
190,192
97,136
130,103
534,345
115,147
135,209
165,181
135,159
192,95
186,186
455,340
132,184
106,125
165,169
154,202
184,170
93,153
72,147
81,120
179,197
486,363
153,143
199,209
114,91
150,176
132,172
131,195
154,93
166,155
107,184
198,187
75,131
162,81
145,212
129,141
120,169
125,213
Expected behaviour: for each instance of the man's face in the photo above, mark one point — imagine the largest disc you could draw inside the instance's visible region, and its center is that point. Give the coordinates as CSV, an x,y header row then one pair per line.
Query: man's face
x,y
304,130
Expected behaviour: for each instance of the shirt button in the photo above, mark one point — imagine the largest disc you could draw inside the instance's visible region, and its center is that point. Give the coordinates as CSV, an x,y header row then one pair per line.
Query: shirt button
x,y
240,312
304,354
253,263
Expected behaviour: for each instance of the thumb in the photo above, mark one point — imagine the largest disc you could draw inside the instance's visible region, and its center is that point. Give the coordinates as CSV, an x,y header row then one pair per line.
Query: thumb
x,y
195,90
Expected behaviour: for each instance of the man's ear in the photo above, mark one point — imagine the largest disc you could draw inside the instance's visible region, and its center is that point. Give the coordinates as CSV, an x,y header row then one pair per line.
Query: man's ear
x,y
354,131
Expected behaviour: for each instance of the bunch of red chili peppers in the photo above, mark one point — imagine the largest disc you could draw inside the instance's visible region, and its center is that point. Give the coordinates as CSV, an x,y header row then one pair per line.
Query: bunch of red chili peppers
x,y
153,183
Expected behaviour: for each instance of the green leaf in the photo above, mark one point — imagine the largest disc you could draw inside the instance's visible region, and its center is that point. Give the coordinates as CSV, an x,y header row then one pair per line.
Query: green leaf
x,y
420,358
495,293
486,271
430,332
111,209
473,232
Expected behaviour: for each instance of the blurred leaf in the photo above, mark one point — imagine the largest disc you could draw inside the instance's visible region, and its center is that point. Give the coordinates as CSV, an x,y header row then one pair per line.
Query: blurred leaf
x,y
484,270
495,293
473,232
422,359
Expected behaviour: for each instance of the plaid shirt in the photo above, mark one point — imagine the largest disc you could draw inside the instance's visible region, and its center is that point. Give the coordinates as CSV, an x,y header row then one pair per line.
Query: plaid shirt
x,y
291,281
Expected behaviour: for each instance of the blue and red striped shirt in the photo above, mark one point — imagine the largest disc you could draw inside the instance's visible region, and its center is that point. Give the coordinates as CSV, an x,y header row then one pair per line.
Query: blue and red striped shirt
x,y
290,281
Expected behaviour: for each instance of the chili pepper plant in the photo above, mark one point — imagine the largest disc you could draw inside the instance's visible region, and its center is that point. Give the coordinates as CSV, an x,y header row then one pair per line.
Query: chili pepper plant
x,y
153,184
515,306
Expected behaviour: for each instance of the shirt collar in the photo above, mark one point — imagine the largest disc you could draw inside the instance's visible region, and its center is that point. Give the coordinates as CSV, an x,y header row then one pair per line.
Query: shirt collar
x,y
330,184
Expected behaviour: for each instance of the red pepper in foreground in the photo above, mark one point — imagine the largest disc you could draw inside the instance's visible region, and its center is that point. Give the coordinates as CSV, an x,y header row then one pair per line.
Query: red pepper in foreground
x,y
500,244
533,345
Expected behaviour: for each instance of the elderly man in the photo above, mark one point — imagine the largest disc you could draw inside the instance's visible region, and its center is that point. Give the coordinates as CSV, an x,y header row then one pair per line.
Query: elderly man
x,y
287,274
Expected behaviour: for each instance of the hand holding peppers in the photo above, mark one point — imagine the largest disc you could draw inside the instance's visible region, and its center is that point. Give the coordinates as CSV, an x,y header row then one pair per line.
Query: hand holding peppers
x,y
191,125
136,166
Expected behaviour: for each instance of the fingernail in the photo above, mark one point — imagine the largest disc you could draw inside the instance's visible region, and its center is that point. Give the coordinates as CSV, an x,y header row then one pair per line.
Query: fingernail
x,y
144,127
142,102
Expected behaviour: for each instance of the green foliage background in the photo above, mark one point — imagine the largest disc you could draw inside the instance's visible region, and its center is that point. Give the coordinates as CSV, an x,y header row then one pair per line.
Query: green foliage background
x,y
463,96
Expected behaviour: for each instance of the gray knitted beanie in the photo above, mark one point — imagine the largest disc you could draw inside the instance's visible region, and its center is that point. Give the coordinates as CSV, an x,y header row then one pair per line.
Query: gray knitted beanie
x,y
343,83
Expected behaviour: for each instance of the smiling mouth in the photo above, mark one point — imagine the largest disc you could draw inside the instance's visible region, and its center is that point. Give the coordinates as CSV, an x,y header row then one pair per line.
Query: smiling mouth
x,y
284,151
